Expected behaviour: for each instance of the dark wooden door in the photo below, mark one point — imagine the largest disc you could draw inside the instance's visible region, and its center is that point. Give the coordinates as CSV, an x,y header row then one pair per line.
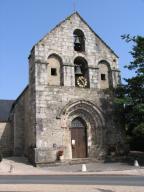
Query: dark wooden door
x,y
78,140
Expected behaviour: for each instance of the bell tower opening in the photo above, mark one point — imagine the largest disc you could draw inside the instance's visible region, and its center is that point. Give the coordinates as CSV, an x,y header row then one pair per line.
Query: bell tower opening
x,y
81,73
79,40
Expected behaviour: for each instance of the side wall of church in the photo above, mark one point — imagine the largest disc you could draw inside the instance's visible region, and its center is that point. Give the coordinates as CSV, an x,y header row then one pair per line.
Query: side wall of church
x,y
5,139
23,138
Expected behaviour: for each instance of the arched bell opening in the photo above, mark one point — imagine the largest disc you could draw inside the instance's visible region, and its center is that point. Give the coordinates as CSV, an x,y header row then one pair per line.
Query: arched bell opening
x,y
81,72
79,40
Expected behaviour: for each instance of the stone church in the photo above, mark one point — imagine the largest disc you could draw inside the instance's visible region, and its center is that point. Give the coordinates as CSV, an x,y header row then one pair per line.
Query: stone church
x,y
67,109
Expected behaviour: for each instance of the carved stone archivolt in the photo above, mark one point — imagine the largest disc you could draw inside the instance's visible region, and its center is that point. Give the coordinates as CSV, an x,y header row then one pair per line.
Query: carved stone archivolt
x,y
90,113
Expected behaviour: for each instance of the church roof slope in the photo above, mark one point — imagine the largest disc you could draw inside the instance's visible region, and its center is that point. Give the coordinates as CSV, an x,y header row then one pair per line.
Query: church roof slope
x,y
5,107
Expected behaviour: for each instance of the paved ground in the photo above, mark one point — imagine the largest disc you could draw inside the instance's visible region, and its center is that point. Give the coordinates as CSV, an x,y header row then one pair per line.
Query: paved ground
x,y
69,188
20,166
91,167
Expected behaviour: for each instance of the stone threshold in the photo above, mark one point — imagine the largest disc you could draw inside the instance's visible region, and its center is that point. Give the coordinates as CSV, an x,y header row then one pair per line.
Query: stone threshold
x,y
73,161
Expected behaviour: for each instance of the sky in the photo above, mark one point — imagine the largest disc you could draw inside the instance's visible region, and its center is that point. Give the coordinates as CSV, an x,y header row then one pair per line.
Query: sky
x,y
24,22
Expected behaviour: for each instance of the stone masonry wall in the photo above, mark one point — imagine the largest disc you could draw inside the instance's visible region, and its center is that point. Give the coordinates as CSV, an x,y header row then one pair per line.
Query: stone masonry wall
x,y
5,139
23,135
50,132
47,101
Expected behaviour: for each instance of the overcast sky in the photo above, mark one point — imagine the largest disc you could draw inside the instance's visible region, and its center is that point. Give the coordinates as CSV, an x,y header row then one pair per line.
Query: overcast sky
x,y
24,22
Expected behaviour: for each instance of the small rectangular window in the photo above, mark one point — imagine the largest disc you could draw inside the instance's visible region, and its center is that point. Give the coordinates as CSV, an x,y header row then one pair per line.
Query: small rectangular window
x,y
53,71
103,77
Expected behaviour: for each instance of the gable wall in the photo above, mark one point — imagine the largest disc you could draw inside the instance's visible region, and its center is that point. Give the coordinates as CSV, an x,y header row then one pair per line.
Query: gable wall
x,y
60,41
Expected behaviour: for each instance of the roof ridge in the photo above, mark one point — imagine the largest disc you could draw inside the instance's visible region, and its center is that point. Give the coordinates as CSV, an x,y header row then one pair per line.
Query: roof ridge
x,y
56,26
7,99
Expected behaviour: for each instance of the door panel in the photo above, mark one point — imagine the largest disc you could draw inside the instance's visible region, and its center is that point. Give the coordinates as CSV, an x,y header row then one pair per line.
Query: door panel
x,y
78,139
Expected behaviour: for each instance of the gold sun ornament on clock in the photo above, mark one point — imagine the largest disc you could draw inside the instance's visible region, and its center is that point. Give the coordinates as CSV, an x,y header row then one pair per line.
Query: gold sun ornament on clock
x,y
81,81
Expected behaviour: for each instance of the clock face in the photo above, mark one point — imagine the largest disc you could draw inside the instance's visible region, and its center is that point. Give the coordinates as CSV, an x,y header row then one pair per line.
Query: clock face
x,y
81,81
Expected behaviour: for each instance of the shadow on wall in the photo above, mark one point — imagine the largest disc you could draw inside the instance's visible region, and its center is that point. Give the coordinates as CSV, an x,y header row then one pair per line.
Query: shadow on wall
x,y
114,132
18,159
6,141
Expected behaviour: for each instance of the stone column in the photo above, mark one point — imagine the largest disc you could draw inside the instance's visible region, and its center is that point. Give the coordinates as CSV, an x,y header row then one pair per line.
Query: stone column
x,y
69,76
116,77
93,77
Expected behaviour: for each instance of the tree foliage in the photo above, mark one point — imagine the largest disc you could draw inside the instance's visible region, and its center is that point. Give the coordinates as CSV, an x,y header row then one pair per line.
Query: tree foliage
x,y
131,95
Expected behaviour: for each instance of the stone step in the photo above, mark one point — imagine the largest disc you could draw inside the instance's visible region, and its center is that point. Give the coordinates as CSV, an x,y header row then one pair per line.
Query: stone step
x,y
82,160
73,161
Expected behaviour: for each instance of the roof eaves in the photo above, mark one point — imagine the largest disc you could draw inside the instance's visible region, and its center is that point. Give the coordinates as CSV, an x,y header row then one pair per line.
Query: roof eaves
x,y
15,102
5,108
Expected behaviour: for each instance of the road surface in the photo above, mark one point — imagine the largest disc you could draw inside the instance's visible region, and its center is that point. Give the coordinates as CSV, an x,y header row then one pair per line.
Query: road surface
x,y
74,180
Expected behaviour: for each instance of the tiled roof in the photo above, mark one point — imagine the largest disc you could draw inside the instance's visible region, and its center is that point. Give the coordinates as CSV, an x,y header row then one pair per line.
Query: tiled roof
x,y
5,107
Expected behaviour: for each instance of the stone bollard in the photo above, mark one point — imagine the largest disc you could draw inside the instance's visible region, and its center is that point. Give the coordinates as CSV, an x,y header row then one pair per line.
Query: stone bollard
x,y
136,164
84,169
11,169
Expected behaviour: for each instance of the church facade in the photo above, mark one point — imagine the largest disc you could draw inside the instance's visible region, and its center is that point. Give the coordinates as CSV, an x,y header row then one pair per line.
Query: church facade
x,y
67,108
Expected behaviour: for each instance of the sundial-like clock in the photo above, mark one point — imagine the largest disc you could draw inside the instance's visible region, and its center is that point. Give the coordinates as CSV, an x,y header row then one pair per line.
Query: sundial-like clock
x,y
81,81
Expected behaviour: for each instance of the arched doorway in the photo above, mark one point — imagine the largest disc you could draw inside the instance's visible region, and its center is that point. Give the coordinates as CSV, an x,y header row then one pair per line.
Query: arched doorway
x,y
78,138
91,118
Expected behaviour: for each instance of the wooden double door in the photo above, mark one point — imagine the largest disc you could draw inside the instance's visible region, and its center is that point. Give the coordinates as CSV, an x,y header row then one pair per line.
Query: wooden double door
x,y
78,138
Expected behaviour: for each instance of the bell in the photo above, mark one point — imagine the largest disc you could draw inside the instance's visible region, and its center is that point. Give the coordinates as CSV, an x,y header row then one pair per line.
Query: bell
x,y
77,40
78,70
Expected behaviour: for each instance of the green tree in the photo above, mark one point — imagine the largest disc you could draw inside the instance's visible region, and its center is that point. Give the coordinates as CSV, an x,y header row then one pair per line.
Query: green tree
x,y
131,95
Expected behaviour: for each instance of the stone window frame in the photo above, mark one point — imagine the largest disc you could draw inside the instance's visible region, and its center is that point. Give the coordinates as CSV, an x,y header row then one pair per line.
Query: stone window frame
x,y
53,71
104,61
103,76
55,55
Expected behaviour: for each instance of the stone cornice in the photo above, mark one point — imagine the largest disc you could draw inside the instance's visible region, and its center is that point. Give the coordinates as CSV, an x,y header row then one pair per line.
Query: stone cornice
x,y
40,62
117,70
91,67
68,65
